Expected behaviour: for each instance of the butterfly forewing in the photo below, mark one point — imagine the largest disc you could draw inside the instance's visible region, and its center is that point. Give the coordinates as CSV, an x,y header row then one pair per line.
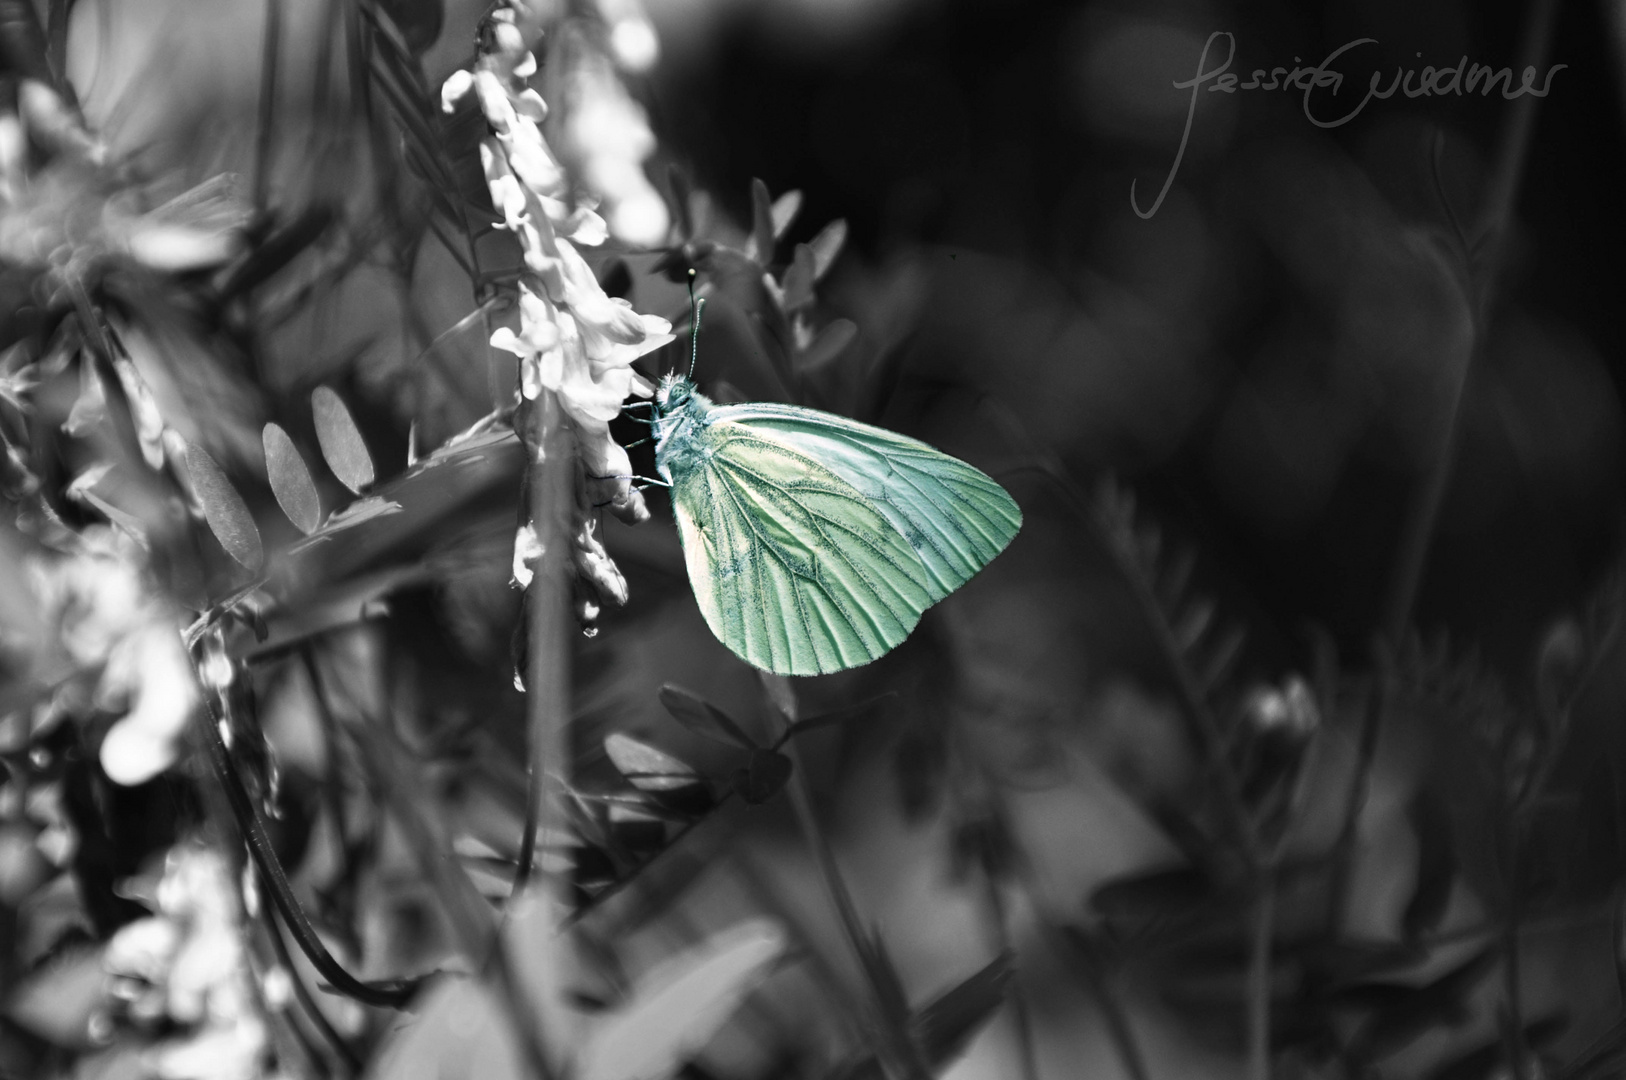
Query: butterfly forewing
x,y
953,516
814,543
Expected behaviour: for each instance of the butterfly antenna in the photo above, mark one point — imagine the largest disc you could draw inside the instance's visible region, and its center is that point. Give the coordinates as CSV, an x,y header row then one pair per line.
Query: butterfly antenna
x,y
695,306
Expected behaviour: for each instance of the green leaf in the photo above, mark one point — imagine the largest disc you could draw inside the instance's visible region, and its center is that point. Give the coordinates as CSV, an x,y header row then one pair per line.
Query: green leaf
x,y
57,1001
1436,864
682,195
90,407
703,718
340,439
224,509
762,231
419,22
455,1031
798,283
645,767
763,777
945,1026
833,717
291,480
784,211
832,340
826,246
679,1005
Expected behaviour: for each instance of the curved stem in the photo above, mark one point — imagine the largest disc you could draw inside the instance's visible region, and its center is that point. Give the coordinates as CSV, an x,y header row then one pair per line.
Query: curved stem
x,y
394,993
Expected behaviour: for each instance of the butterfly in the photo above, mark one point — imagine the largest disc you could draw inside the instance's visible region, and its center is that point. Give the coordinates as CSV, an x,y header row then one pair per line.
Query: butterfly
x,y
814,543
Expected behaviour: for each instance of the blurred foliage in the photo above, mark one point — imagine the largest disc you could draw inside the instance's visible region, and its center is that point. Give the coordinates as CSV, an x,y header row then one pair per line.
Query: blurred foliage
x,y
1282,742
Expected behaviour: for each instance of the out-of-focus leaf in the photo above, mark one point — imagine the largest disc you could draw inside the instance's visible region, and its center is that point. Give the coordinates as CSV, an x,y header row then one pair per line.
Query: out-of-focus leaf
x,y
1413,1014
1489,1058
638,832
22,42
826,246
149,421
1436,864
83,490
762,231
945,1026
831,718
798,282
703,718
763,777
57,1001
90,407
828,344
645,767
458,1032
682,193
679,1005
419,21
918,762
291,480
340,439
1344,961
276,252
780,693
1157,894
784,211
224,509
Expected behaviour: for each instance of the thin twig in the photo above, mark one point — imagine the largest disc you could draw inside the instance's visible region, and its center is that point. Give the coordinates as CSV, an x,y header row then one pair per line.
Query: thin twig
x,y
270,50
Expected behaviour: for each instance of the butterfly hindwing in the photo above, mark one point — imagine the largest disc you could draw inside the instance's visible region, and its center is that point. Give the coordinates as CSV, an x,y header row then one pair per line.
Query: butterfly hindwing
x,y
815,543
793,569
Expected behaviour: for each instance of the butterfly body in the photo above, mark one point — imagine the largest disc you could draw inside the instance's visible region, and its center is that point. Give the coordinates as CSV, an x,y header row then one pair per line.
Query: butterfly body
x,y
814,542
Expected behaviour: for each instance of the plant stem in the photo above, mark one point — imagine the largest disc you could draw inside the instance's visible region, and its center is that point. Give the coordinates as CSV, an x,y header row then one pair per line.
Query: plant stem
x,y
1259,976
394,994
896,1049
551,481
998,912
1095,981
1343,851
1500,199
270,49
342,1049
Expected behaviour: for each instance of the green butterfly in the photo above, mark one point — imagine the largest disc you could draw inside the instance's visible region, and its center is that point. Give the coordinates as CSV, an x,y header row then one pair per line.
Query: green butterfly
x,y
814,543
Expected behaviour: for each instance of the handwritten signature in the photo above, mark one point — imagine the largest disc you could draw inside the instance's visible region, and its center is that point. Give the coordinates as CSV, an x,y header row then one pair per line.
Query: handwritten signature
x,y
1431,82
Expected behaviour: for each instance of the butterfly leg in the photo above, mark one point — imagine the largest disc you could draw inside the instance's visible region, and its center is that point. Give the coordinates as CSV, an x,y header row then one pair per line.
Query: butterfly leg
x,y
643,481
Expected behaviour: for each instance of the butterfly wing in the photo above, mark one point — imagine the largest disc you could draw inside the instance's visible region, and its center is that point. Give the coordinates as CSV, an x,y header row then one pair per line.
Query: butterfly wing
x,y
814,543
954,517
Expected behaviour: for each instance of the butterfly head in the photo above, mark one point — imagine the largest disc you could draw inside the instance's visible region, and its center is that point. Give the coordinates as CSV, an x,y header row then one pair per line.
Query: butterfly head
x,y
674,393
